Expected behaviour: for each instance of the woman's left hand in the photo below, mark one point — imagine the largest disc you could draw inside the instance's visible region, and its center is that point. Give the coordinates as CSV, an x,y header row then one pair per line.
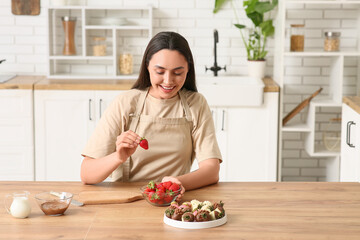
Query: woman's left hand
x,y
175,180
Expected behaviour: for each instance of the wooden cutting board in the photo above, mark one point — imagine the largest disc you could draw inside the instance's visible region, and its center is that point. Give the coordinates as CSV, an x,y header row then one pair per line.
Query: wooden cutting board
x,y
108,197
25,7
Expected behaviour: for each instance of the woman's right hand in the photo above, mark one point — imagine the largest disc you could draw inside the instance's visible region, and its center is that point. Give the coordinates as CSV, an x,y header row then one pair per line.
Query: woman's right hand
x,y
126,144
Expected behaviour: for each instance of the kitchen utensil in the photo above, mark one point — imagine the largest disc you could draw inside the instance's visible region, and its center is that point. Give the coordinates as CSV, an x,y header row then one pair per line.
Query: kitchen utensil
x,y
25,7
195,225
53,205
62,196
20,205
300,107
108,197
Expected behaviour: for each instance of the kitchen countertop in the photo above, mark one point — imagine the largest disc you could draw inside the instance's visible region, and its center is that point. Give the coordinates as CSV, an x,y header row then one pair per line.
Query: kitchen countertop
x,y
353,102
21,82
43,83
271,210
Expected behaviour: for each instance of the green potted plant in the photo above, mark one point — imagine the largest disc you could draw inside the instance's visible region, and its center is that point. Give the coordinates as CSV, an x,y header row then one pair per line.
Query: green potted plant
x,y
255,40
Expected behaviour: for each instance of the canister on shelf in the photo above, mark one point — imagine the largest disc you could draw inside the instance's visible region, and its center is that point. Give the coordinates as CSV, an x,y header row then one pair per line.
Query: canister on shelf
x,y
69,30
126,62
99,47
297,38
332,41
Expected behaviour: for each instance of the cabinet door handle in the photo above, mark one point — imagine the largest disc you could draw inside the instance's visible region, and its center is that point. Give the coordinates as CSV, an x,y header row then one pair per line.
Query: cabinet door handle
x,y
100,102
90,110
223,121
348,129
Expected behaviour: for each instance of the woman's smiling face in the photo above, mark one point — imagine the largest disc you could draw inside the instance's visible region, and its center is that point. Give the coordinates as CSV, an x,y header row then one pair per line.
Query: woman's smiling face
x,y
168,70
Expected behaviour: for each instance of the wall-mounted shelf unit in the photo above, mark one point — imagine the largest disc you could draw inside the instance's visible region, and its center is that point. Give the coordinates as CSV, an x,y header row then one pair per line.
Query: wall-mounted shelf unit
x,y
330,68
125,29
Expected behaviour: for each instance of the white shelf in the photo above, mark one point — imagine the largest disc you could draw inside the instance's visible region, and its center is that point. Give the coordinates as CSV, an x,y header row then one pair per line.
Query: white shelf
x,y
117,39
92,76
324,102
78,57
70,7
116,27
322,53
321,151
296,127
323,2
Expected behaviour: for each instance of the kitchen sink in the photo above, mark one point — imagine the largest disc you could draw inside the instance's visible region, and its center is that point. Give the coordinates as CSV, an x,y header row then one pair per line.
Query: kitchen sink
x,y
233,91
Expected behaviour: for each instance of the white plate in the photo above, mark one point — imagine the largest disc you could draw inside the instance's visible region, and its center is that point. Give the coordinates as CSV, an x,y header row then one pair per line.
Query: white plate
x,y
195,225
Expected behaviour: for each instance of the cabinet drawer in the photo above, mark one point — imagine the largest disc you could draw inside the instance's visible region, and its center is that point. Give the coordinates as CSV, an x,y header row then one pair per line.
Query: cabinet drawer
x,y
16,103
16,132
16,163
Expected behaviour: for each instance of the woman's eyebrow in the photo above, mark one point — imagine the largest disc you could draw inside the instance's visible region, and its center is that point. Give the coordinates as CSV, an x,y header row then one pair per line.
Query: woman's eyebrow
x,y
158,66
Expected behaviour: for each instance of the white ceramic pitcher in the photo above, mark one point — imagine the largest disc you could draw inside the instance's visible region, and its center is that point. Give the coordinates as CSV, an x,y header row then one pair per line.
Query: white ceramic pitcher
x,y
20,204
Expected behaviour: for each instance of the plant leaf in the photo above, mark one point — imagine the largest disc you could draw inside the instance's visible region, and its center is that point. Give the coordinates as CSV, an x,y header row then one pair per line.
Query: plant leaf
x,y
256,18
218,5
239,26
267,28
263,7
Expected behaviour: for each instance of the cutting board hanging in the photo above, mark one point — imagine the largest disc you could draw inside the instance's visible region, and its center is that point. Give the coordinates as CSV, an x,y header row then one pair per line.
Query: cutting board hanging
x,y
25,7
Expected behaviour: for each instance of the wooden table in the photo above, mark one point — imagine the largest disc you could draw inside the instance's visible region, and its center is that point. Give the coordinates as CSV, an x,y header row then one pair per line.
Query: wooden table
x,y
280,210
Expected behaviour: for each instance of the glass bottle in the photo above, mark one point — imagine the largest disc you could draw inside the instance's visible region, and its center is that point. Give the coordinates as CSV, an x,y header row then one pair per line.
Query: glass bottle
x,y
99,47
126,62
297,38
332,41
69,30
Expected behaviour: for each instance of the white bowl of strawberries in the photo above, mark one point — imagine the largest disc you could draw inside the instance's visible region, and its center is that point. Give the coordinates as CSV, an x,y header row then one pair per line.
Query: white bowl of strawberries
x,y
160,194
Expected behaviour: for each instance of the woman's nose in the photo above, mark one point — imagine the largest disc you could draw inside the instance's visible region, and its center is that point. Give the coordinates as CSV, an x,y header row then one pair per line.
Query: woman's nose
x,y
168,78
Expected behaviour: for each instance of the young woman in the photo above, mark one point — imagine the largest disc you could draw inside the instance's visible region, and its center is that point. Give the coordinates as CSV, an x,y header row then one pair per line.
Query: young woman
x,y
165,108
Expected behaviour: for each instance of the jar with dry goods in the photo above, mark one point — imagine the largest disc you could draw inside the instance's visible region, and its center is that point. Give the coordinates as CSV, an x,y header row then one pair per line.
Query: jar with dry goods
x,y
99,47
297,38
126,63
332,41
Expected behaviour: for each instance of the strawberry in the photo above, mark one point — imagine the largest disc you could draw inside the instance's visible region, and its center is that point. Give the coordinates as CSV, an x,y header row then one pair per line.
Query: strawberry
x,y
144,143
153,197
174,187
151,185
167,184
168,198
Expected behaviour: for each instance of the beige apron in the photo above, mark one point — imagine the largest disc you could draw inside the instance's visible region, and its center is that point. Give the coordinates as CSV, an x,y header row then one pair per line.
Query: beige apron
x,y
170,150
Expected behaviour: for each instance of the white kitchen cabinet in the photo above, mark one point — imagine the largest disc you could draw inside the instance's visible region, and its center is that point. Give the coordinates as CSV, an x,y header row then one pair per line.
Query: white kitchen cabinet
x,y
248,138
64,120
16,138
350,145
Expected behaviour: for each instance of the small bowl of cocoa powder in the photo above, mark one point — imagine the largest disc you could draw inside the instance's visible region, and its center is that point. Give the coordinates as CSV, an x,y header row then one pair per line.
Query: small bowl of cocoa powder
x,y
53,205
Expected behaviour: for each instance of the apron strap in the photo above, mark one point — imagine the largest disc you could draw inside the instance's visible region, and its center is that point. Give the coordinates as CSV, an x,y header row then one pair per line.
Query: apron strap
x,y
133,125
185,106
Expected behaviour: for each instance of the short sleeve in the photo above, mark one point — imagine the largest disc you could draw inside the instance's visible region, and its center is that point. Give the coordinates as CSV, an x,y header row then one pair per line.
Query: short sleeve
x,y
203,132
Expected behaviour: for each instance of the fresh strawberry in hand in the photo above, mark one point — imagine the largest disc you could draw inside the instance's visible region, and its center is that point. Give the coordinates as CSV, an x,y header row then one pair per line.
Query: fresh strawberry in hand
x,y
174,187
167,184
144,143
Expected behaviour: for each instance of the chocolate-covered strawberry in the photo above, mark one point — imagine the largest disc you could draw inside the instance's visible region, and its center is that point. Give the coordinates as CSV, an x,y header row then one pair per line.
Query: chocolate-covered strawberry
x,y
177,214
169,212
220,206
188,217
202,216
185,208
216,214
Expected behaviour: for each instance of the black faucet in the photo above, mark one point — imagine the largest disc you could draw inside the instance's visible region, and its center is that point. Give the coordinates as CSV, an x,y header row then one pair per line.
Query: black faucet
x,y
215,68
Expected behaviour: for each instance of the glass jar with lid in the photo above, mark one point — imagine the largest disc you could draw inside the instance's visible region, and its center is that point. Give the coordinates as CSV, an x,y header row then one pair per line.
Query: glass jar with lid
x,y
99,47
297,38
126,62
332,41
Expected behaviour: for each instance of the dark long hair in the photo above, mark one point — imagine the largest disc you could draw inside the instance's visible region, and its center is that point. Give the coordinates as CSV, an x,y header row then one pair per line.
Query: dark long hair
x,y
171,41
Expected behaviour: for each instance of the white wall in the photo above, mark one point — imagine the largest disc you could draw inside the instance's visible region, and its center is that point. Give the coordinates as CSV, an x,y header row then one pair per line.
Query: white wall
x,y
23,42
